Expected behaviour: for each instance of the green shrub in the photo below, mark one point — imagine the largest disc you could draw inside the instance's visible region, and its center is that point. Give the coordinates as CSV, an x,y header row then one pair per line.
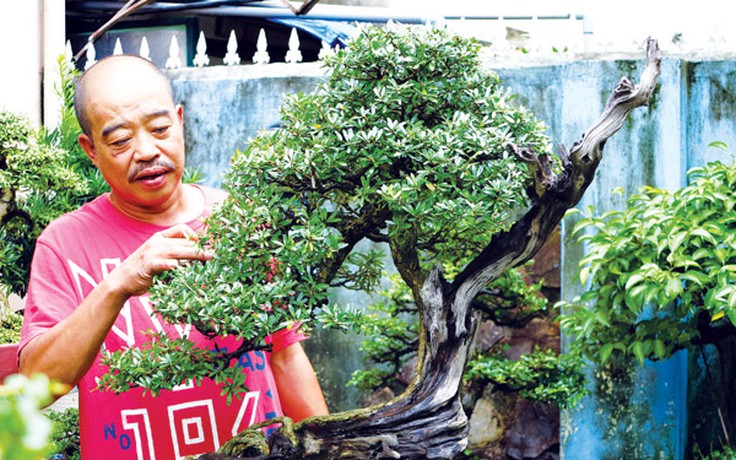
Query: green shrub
x,y
65,433
43,174
661,272
24,430
10,328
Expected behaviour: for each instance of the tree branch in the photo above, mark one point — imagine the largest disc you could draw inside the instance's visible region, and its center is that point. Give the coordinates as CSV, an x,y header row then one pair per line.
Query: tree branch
x,y
556,193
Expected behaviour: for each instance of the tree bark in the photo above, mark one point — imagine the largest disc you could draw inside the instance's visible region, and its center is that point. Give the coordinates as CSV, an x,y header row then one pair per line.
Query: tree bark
x,y
427,421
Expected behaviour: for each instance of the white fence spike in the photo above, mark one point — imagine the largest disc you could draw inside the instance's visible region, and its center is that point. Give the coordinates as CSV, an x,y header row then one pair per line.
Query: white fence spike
x,y
91,56
118,47
324,51
201,59
232,57
68,53
261,55
293,56
145,51
174,60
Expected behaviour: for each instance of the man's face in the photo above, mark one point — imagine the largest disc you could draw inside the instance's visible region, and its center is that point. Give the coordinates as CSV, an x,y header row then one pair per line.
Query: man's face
x,y
137,139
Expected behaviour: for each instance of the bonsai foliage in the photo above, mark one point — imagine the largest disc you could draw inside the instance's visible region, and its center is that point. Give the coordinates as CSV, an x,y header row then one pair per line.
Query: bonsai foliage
x,y
405,143
661,272
539,376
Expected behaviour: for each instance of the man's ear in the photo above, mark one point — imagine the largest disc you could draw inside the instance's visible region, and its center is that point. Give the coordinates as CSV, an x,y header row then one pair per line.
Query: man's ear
x,y
88,146
180,114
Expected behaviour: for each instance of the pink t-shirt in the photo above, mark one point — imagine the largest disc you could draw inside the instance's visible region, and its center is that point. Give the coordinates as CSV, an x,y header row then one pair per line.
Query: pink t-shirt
x,y
72,256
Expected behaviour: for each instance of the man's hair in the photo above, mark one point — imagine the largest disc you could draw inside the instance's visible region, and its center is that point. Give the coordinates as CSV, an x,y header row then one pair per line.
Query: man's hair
x,y
80,92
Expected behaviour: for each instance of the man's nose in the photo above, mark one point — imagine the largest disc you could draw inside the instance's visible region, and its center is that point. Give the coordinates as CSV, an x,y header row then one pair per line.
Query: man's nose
x,y
146,147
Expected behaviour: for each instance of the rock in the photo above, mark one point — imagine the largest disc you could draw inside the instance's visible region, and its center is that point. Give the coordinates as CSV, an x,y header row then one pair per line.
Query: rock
x,y
380,396
489,334
534,431
486,425
407,371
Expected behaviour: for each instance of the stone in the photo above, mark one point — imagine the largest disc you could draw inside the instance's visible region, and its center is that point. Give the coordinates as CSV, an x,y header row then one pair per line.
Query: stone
x,y
486,425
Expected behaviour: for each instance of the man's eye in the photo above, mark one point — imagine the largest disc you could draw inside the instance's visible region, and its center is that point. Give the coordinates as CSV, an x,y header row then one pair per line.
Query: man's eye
x,y
161,130
120,142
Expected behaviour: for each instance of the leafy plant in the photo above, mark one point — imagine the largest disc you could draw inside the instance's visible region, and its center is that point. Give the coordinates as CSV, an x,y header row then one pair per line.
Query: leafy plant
x,y
661,272
406,143
24,430
10,325
42,176
65,433
727,453
660,278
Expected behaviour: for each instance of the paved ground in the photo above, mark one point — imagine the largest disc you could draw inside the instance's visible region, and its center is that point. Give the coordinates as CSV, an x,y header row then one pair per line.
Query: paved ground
x,y
69,400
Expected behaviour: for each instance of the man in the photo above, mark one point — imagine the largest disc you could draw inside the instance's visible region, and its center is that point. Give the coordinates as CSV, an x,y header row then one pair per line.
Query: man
x,y
93,267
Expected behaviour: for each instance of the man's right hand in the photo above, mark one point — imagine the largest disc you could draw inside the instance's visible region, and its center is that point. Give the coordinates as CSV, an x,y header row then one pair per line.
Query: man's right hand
x,y
163,251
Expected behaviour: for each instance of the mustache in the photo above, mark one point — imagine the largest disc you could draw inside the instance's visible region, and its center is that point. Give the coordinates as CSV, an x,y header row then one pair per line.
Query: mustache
x,y
155,163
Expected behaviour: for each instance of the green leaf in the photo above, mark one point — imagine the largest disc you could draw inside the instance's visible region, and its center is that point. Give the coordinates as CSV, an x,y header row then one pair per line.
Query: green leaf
x,y
706,235
659,349
638,350
673,288
676,240
718,145
603,317
731,315
634,279
605,352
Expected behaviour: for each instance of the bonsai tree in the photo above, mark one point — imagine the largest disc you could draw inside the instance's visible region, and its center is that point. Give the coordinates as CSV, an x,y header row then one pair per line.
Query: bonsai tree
x,y
43,174
661,279
410,143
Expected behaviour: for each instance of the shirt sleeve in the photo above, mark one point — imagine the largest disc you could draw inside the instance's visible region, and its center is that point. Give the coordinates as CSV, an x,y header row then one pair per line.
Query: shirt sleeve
x,y
285,337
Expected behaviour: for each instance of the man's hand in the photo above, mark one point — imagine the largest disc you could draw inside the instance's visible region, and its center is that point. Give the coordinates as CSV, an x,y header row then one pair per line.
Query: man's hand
x,y
163,251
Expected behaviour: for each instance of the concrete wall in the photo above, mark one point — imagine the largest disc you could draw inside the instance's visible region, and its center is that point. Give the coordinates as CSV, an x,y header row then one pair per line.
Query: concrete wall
x,y
633,413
